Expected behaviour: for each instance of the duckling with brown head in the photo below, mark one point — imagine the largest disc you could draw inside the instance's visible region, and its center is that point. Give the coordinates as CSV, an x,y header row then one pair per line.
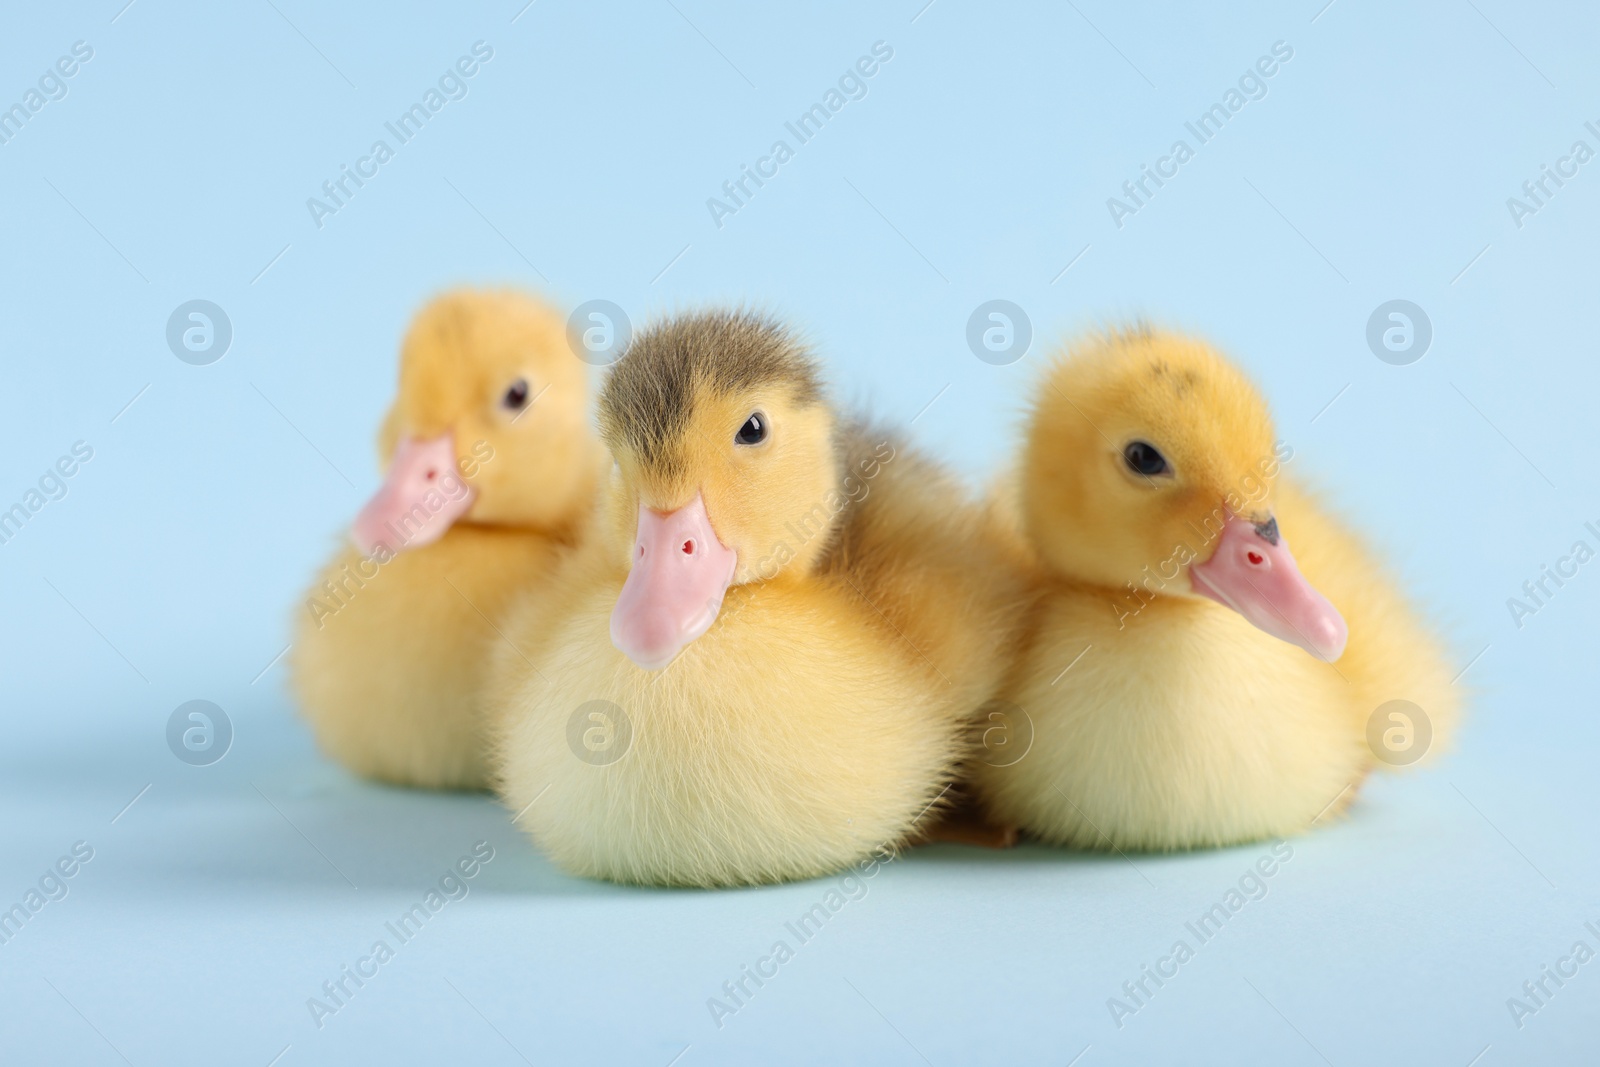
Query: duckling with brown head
x,y
1190,680
761,665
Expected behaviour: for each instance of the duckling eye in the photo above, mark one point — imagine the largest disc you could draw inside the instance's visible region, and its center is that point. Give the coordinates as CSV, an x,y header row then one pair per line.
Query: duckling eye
x,y
1143,458
754,430
516,397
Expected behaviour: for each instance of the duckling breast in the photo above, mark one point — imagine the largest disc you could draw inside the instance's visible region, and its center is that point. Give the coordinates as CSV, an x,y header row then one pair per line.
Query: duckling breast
x,y
781,744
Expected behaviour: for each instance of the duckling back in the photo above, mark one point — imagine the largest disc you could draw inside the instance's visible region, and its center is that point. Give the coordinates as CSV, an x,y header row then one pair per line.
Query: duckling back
x,y
938,569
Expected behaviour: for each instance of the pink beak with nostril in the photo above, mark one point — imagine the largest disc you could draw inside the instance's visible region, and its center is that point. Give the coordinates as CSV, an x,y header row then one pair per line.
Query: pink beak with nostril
x,y
680,573
410,510
1253,572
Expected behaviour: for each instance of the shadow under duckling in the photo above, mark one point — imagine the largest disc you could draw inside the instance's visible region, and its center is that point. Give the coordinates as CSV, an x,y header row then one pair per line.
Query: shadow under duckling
x,y
1189,681
761,665
492,469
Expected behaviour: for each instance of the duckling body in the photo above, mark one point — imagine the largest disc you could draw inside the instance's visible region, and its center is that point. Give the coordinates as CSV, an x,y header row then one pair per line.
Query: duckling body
x,y
1164,718
391,677
492,468
820,714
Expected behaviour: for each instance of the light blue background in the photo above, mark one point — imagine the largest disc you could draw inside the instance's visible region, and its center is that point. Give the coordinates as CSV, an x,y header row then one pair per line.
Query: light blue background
x,y
977,167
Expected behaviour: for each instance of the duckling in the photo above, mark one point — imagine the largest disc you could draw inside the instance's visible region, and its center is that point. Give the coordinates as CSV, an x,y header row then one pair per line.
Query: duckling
x,y
1189,680
492,469
761,665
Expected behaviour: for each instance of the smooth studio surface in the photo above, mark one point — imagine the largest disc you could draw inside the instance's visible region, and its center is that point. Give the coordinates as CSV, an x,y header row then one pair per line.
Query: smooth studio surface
x,y
215,461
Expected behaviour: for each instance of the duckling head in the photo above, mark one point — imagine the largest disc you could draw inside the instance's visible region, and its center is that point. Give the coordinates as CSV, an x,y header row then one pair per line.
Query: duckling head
x,y
725,453
1150,465
490,424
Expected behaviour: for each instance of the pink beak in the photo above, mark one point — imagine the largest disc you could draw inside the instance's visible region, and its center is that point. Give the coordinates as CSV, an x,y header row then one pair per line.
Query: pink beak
x,y
419,499
674,590
1253,573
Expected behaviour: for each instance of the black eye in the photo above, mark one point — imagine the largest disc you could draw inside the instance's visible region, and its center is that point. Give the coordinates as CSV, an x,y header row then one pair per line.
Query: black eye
x,y
754,430
1142,458
516,397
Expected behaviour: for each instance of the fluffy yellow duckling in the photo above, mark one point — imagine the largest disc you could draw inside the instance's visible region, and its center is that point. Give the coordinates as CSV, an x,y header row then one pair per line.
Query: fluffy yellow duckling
x,y
760,665
491,472
1189,681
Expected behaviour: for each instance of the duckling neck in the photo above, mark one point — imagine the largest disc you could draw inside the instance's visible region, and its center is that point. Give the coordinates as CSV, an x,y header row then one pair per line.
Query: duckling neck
x,y
1125,604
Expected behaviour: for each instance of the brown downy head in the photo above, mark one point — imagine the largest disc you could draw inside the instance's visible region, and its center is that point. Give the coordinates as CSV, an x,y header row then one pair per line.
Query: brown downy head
x,y
722,439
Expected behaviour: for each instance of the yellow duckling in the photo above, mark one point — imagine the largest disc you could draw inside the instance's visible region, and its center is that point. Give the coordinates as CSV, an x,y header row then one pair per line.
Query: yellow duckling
x,y
760,666
1189,681
491,472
